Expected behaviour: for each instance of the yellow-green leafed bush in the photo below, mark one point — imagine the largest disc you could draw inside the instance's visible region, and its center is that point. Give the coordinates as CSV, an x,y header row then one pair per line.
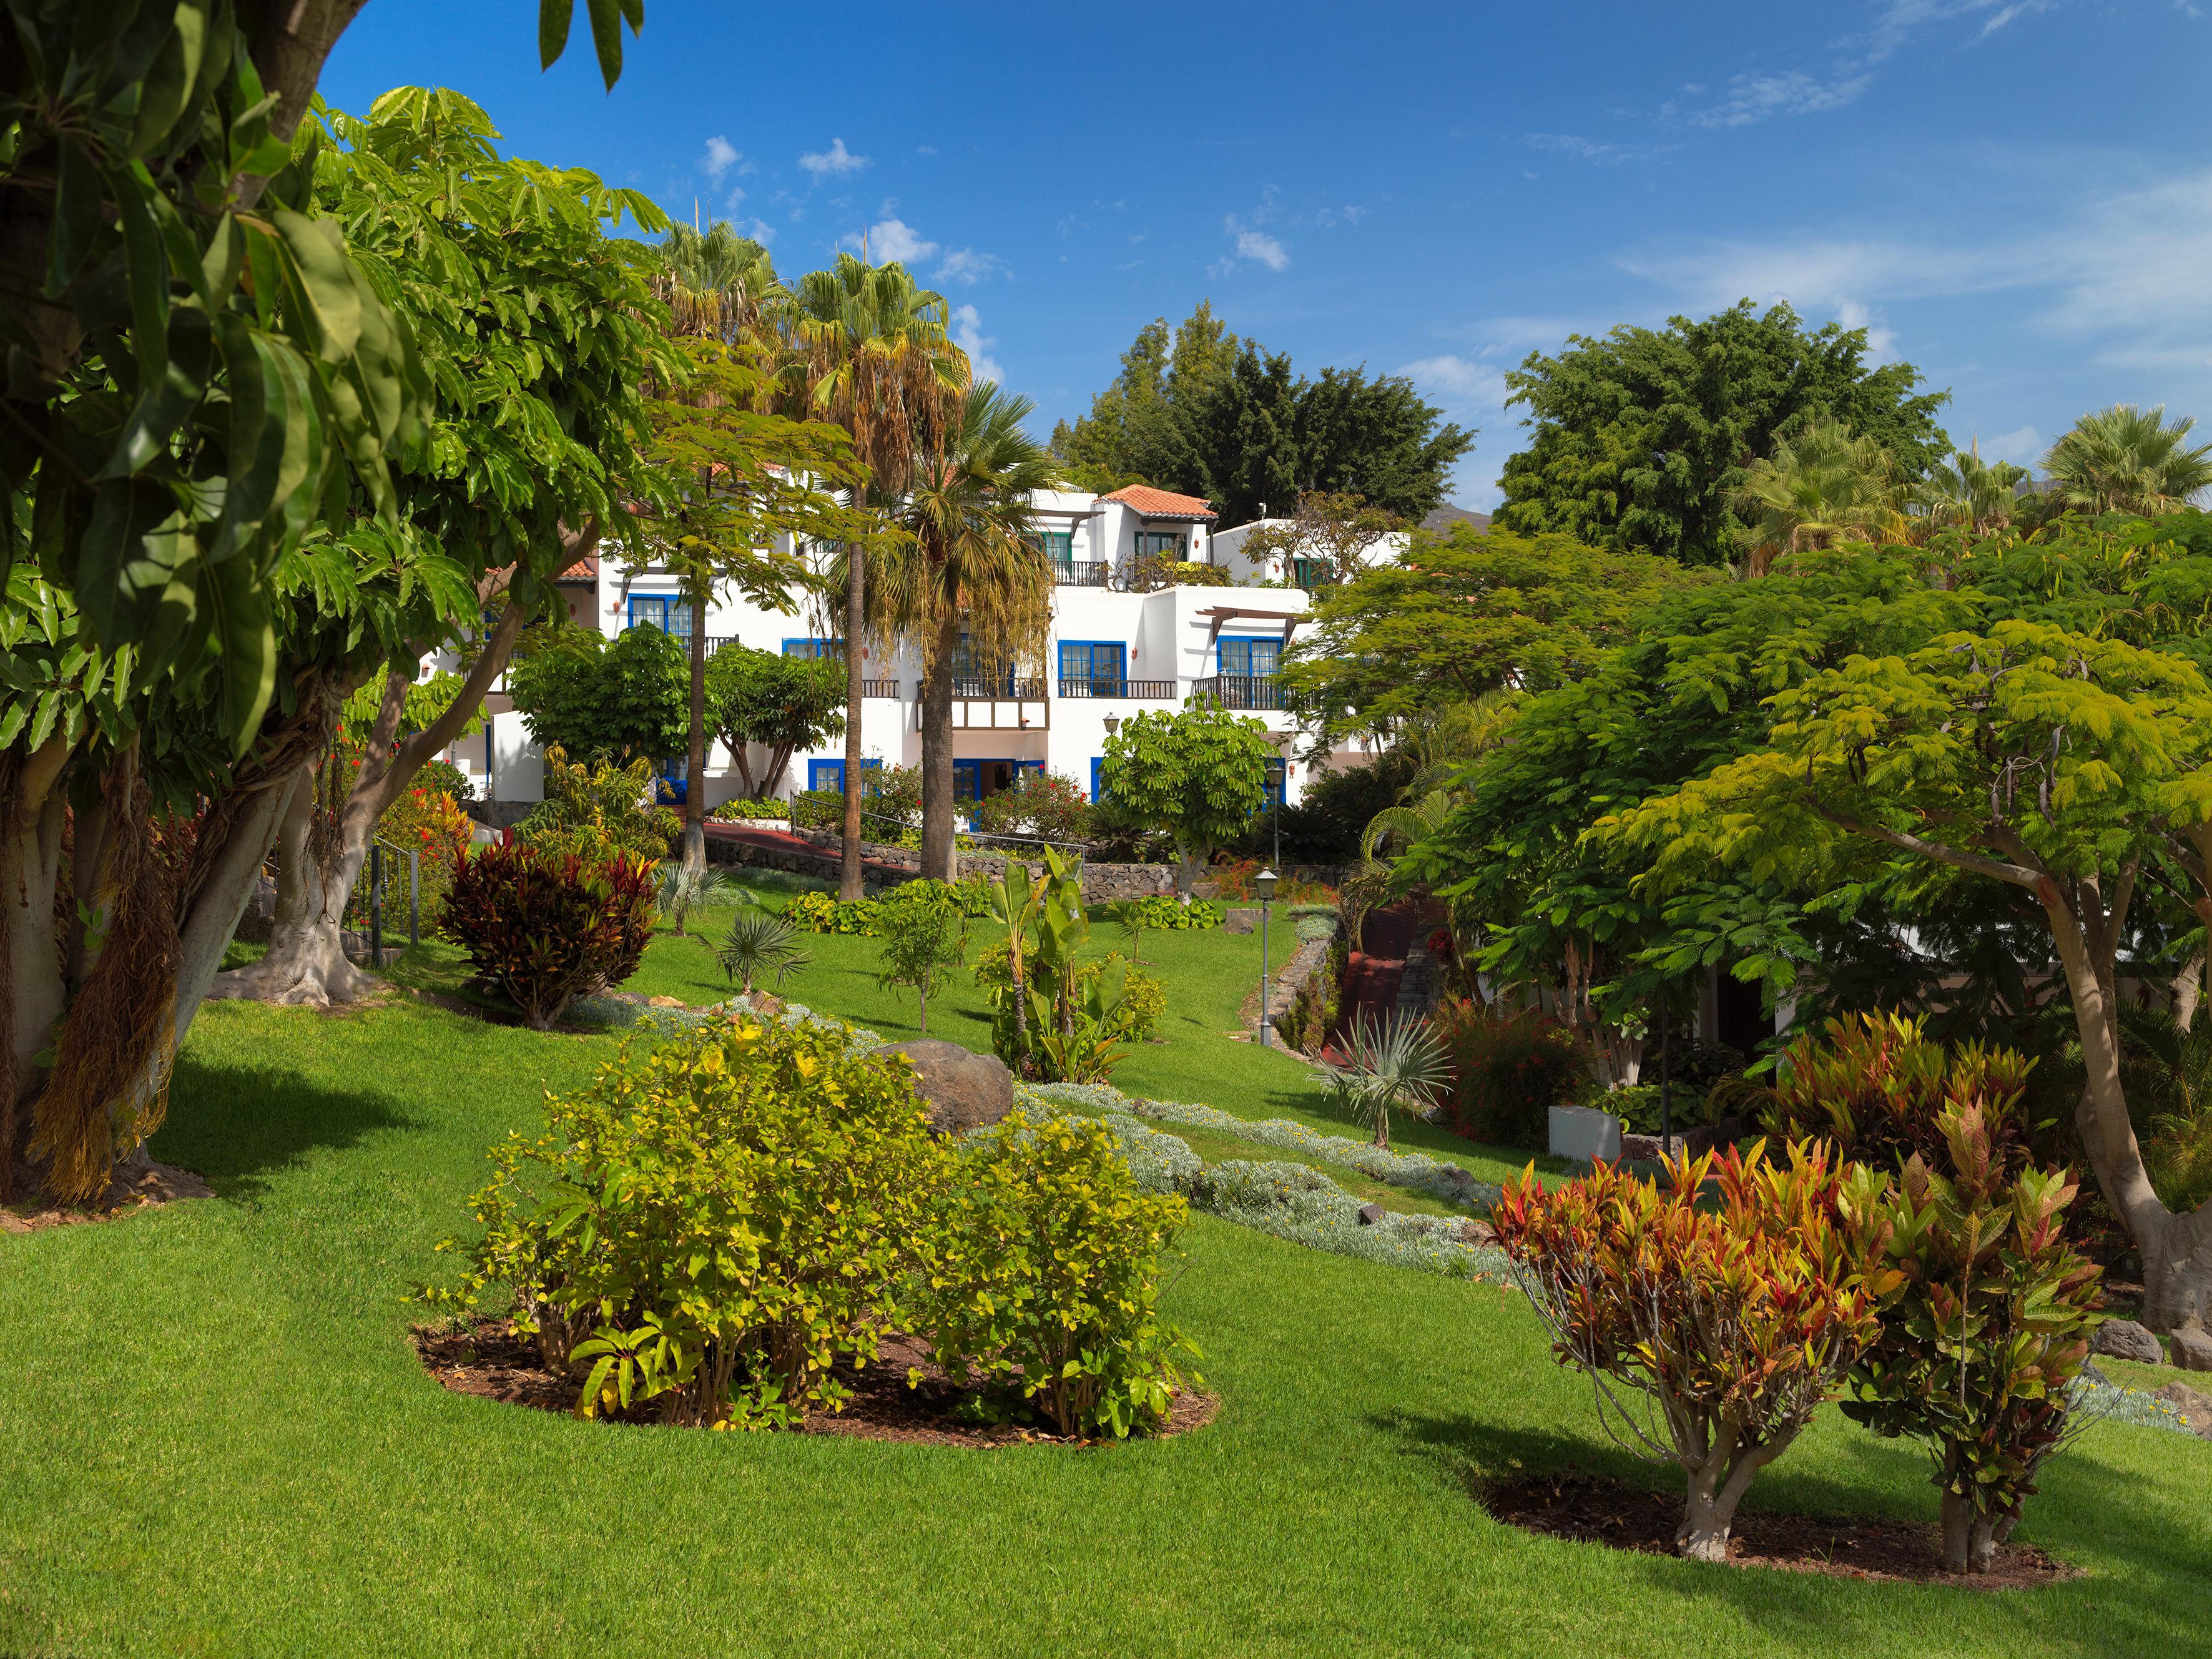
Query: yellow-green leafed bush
x,y
1143,1002
1049,1293
712,1224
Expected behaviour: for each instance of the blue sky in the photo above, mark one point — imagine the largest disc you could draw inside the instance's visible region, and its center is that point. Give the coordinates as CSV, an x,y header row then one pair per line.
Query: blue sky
x,y
2014,195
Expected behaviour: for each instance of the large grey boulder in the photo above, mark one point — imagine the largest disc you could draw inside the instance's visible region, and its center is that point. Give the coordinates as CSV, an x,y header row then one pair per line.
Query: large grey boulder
x,y
962,1089
2192,1348
2123,1338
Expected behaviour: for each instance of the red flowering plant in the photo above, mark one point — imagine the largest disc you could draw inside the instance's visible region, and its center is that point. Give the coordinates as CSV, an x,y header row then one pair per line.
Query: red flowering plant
x,y
546,926
430,823
1712,1326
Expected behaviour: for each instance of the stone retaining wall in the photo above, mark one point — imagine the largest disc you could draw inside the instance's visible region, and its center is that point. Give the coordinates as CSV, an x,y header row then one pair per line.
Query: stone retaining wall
x,y
1102,883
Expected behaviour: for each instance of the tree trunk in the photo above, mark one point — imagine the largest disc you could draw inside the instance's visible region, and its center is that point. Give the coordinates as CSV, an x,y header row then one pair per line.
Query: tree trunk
x,y
306,965
848,856
2188,991
694,760
2176,1251
939,857
1718,1482
1969,1538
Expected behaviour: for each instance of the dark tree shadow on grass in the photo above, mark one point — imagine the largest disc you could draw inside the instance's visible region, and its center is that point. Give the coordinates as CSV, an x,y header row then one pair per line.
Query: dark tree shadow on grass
x,y
238,1124
2083,1496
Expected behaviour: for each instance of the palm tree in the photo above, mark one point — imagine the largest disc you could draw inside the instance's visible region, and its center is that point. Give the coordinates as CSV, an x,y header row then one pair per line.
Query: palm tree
x,y
869,351
969,569
715,284
1820,486
1971,493
2126,459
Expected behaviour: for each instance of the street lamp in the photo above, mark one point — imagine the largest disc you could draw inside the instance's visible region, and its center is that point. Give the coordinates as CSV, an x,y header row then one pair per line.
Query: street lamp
x,y
1265,881
1113,724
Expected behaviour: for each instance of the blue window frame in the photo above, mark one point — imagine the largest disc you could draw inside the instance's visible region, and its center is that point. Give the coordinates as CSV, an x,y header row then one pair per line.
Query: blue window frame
x,y
975,780
665,611
1101,662
1098,777
814,648
1255,657
831,775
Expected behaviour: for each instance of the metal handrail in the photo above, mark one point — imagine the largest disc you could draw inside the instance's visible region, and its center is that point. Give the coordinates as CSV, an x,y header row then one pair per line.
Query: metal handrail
x,y
879,688
1242,691
1082,573
376,897
1102,686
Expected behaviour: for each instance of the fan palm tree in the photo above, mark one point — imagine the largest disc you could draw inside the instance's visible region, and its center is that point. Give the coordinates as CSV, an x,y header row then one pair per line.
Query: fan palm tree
x,y
1971,493
1820,486
2126,459
868,349
968,568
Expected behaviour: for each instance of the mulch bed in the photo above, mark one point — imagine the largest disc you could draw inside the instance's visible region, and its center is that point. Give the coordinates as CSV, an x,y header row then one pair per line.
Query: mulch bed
x,y
490,1361
128,1193
1595,1509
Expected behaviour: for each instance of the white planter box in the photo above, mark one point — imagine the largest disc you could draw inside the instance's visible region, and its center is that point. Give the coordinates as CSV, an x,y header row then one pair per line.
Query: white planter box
x,y
1584,1132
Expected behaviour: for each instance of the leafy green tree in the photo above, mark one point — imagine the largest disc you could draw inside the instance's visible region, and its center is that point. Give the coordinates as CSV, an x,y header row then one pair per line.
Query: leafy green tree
x,y
2126,459
1334,533
1641,437
1453,619
1214,416
921,940
1196,775
1969,493
2010,744
867,348
782,704
627,698
968,579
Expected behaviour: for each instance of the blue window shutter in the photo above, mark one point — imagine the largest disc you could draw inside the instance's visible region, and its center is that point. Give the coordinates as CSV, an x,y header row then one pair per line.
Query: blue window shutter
x,y
826,774
1097,769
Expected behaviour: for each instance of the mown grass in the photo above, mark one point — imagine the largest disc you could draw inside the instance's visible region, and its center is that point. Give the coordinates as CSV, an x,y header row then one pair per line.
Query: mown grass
x,y
217,1442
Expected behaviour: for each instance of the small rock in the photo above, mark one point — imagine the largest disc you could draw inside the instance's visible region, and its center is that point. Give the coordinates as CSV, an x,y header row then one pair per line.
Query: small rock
x,y
962,1089
2195,1407
2124,1339
1474,1231
1371,1213
2192,1348
1240,921
664,1002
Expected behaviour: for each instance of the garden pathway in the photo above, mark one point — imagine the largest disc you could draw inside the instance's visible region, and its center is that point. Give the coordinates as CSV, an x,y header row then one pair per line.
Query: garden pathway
x,y
806,857
1375,972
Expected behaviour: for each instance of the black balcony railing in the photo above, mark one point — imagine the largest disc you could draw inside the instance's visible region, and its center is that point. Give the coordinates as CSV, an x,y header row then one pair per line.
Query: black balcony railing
x,y
1158,690
1242,691
998,690
1071,573
879,688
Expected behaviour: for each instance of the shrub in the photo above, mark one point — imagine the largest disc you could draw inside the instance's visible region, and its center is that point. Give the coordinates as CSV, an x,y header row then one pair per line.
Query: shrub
x,y
545,927
1158,910
818,809
1144,997
1043,806
1509,1071
1158,570
745,809
1735,1320
1052,1290
1393,1064
440,777
971,898
1878,1087
1314,1011
702,1229
591,811
825,912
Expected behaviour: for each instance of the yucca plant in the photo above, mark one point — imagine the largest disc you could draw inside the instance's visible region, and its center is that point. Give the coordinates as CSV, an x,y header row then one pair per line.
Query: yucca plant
x,y
761,943
1392,1065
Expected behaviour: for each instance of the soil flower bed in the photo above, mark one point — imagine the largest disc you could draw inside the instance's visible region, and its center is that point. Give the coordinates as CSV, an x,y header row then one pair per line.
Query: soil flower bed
x,y
490,1362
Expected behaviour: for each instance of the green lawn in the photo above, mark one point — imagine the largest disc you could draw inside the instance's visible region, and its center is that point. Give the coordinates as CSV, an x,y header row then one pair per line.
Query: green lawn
x,y
217,1442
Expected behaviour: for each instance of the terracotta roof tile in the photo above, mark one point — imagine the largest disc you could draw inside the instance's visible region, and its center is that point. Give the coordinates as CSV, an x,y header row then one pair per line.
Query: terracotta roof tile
x,y
583,570
1152,503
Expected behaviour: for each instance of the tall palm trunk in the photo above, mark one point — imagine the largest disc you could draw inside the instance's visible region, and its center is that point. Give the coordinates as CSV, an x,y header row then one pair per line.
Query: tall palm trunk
x,y
695,763
849,857
939,858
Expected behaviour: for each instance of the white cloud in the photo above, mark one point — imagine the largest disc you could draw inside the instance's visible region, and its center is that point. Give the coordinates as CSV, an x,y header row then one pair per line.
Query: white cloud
x,y
968,334
1881,340
1753,98
761,231
1585,149
1258,244
892,241
1462,379
721,155
964,265
2022,447
833,162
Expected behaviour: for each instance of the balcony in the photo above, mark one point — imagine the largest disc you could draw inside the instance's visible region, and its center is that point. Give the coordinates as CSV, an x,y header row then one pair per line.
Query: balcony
x,y
1147,691
996,702
879,688
1070,573
1242,692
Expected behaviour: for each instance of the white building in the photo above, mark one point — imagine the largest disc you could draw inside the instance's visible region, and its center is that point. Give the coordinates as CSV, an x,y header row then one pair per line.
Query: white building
x,y
1114,652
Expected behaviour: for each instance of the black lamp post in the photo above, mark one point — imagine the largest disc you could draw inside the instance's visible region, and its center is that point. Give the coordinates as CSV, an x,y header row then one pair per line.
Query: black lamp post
x,y
1265,881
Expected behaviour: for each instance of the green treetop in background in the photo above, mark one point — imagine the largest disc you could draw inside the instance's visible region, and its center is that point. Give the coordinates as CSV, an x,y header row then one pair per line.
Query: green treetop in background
x,y
1213,415
1196,775
599,699
783,704
1641,438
